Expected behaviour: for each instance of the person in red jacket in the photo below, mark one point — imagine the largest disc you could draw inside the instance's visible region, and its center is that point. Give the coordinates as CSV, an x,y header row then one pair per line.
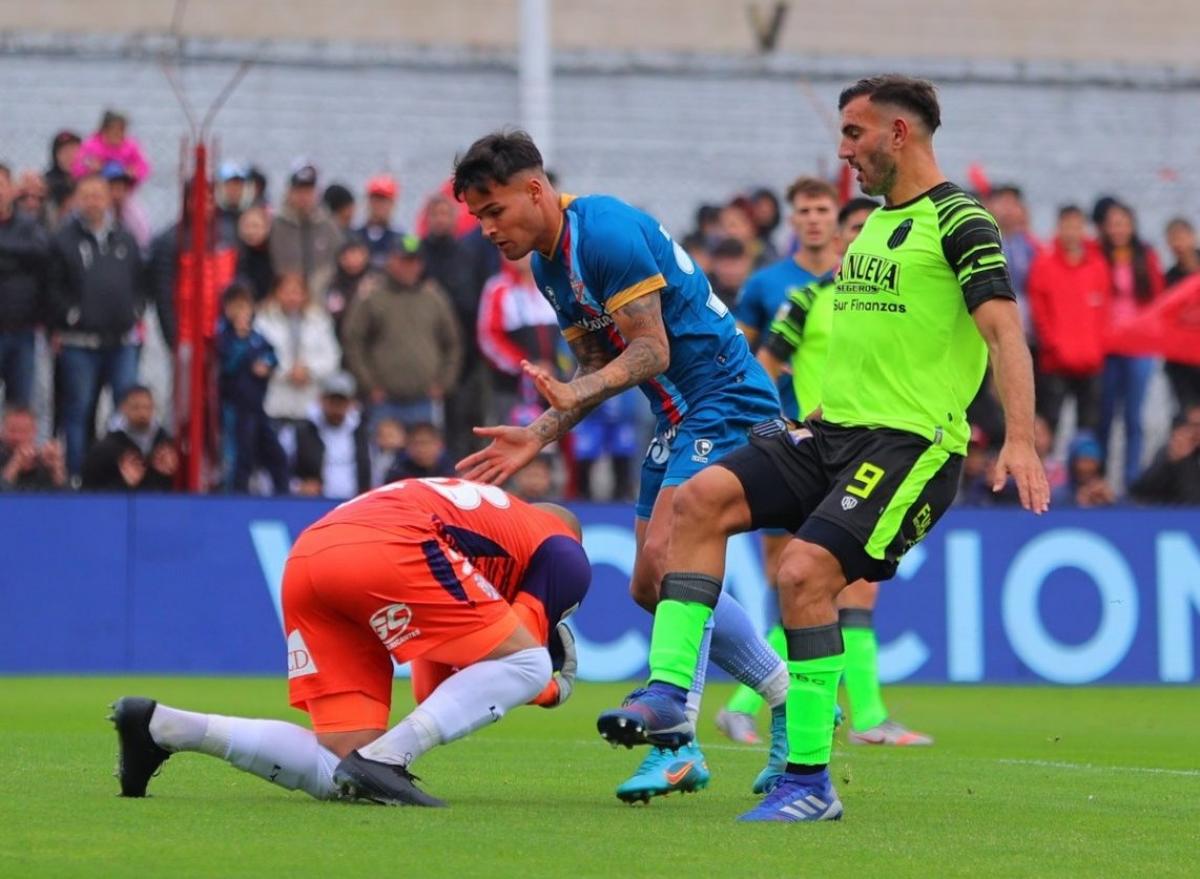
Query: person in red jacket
x,y
1068,289
1137,281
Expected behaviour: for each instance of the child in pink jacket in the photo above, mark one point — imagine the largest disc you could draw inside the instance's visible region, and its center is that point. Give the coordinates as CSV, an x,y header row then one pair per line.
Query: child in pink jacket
x,y
111,144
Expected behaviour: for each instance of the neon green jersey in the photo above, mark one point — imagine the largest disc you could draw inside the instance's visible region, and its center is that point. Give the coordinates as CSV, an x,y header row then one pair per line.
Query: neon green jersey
x,y
800,335
904,352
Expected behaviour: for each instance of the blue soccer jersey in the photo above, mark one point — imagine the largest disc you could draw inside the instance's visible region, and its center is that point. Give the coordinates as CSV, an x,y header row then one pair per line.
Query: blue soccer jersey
x,y
763,295
608,254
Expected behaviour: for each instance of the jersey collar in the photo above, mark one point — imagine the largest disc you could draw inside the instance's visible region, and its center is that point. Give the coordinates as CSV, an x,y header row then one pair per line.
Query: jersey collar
x,y
564,200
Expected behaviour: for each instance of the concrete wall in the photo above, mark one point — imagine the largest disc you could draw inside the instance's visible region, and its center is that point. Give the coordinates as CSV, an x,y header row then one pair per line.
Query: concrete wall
x,y
1149,32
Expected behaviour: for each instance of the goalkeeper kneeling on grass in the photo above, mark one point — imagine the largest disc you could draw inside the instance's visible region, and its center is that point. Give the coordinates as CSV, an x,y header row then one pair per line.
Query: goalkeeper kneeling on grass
x,y
466,582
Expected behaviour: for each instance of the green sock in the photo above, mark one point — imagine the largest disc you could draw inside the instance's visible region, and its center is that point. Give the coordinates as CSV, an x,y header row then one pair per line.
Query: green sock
x,y
815,664
862,670
686,602
745,700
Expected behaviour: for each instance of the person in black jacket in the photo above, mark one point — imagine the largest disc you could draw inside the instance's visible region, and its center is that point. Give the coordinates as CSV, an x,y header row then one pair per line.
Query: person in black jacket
x,y
1174,476
333,456
24,254
25,466
245,362
137,454
97,294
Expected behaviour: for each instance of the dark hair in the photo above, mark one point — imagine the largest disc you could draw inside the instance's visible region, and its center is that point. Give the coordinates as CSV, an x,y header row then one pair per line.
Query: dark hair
x,y
1008,189
336,197
1101,207
764,194
1180,223
495,158
422,427
137,389
5,170
238,290
707,213
256,178
729,248
694,241
112,117
1068,210
1142,288
811,187
916,95
855,205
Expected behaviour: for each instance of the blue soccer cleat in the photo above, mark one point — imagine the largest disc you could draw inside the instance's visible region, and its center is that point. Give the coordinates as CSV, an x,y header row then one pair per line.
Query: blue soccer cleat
x,y
664,772
799,798
651,715
777,757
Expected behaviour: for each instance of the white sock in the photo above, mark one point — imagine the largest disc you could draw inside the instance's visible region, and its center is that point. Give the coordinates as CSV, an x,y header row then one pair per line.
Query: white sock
x,y
467,700
774,687
282,753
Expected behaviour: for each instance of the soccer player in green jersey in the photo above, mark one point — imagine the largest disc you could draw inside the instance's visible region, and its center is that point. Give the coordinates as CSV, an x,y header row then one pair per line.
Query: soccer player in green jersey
x,y
799,341
922,300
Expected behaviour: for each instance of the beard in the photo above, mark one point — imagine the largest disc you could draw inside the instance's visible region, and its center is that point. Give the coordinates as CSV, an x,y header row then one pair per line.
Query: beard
x,y
882,176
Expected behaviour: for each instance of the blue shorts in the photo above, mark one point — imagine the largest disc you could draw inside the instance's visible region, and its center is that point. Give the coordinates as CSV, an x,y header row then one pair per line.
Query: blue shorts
x,y
610,430
707,433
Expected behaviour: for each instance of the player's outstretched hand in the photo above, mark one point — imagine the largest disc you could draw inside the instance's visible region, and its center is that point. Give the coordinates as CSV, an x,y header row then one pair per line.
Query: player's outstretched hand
x,y
511,449
566,675
560,395
1021,461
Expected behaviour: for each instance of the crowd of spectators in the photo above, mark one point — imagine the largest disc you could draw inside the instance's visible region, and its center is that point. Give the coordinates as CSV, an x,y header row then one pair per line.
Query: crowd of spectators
x,y
350,351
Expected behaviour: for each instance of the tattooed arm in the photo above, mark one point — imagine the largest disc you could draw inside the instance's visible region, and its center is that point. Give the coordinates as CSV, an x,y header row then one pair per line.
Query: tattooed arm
x,y
646,355
511,448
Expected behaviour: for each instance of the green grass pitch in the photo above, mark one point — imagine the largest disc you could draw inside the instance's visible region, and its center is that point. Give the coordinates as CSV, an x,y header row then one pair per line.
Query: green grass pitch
x,y
1022,782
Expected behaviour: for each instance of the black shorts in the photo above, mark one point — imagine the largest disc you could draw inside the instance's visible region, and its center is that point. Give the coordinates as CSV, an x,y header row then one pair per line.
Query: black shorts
x,y
866,494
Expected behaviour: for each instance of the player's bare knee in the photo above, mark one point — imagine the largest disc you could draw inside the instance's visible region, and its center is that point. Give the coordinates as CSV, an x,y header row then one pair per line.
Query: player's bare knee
x,y
644,591
809,579
705,504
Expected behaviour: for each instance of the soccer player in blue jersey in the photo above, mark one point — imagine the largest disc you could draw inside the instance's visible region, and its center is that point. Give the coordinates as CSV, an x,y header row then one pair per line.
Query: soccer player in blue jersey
x,y
637,311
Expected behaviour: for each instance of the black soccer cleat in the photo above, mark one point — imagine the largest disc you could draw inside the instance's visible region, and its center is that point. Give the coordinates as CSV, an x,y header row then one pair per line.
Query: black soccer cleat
x,y
387,784
139,757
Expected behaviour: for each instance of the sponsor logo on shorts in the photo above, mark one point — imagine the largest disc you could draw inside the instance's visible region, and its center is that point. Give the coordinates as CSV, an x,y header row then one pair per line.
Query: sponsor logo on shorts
x,y
391,624
702,448
922,521
849,503
300,661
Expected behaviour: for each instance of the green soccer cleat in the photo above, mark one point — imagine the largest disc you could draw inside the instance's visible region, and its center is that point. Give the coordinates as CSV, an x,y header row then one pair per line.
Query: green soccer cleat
x,y
664,772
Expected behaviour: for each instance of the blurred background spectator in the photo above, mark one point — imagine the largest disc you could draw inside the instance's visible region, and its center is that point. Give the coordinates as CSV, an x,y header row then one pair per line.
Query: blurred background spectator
x,y
1068,288
137,454
24,261
307,352
1137,280
304,238
245,361
402,340
97,291
353,264
254,265
1174,475
424,455
25,465
339,201
331,446
377,231
515,323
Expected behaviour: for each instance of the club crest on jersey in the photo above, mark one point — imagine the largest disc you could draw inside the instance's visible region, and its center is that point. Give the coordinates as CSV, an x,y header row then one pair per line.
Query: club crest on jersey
x,y
849,503
701,449
901,232
548,292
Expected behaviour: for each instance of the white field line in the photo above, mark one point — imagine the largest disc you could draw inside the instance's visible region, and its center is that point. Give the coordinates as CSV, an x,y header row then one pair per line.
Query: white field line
x,y
1004,761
